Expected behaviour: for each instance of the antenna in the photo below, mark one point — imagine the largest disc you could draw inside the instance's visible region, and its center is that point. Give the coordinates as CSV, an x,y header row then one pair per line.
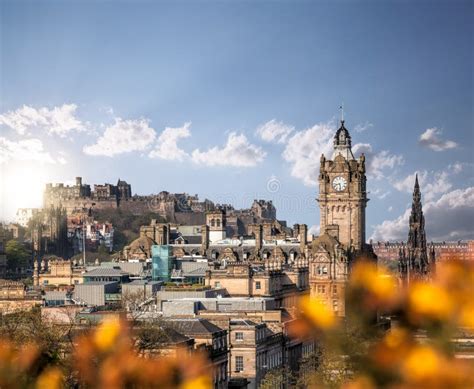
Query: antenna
x,y
342,111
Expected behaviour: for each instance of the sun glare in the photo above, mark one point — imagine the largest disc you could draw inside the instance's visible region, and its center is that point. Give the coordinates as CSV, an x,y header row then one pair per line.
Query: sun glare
x,y
23,187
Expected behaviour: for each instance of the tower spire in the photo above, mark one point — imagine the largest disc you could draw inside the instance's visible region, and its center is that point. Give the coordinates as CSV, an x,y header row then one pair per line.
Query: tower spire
x,y
342,112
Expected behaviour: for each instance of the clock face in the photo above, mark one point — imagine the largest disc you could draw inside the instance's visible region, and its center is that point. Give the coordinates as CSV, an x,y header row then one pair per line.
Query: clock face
x,y
339,183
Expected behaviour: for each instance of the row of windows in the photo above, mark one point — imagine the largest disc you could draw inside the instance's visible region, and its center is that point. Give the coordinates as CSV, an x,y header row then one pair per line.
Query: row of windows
x,y
219,343
269,361
321,289
216,223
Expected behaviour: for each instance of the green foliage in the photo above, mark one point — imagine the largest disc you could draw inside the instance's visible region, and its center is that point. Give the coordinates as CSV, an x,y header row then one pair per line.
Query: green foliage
x,y
17,254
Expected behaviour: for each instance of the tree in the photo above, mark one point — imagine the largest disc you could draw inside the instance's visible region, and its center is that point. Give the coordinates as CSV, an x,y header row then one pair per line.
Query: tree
x,y
17,255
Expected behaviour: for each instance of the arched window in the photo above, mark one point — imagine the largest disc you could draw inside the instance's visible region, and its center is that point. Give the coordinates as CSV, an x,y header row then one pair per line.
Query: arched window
x,y
218,222
213,222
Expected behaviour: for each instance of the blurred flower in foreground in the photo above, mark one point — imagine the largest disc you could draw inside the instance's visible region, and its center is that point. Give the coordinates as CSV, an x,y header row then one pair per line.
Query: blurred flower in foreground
x,y
317,313
372,287
107,359
52,378
106,334
429,301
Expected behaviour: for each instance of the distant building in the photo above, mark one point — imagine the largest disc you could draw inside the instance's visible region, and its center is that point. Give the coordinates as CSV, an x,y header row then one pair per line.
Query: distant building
x,y
97,293
56,271
24,215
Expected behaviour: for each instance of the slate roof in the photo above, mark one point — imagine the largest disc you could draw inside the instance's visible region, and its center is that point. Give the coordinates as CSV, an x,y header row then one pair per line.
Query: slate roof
x,y
193,326
105,272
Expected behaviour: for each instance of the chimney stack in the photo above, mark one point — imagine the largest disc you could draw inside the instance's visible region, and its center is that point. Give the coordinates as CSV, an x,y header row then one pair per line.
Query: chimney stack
x,y
303,231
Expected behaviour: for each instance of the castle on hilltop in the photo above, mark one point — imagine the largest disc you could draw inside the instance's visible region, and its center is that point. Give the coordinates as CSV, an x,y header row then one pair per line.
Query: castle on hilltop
x,y
180,208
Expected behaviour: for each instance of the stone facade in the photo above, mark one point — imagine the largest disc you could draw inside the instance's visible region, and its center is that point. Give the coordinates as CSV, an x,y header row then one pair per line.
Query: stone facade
x,y
342,201
57,271
342,193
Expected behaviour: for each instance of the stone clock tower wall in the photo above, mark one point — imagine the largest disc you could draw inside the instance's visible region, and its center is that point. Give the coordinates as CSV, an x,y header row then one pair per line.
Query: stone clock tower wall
x,y
342,194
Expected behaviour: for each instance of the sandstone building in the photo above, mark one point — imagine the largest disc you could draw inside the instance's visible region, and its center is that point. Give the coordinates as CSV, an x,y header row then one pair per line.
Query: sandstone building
x,y
342,201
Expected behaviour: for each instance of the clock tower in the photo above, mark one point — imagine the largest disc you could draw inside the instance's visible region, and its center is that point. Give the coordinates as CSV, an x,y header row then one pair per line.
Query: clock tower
x,y
342,194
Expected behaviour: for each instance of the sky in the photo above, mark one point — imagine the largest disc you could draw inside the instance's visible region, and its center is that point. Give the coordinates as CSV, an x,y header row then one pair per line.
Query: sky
x,y
236,100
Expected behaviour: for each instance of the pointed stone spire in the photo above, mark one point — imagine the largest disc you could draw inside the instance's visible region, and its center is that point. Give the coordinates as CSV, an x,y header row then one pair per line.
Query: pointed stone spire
x,y
416,244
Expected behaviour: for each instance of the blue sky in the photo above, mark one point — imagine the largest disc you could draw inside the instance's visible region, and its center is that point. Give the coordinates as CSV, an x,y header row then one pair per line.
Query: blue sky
x,y
225,98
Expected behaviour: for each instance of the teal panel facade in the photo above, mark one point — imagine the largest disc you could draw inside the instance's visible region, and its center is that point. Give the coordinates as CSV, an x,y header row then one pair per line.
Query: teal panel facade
x,y
162,258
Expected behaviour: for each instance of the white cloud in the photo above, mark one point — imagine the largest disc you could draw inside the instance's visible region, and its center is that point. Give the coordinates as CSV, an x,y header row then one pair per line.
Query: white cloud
x,y
448,218
314,230
431,139
380,194
377,163
303,151
24,150
431,184
390,230
237,152
273,131
122,137
167,143
58,120
363,127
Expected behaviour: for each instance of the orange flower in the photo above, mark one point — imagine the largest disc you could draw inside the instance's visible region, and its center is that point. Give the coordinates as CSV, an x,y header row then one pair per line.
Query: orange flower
x,y
429,301
375,281
52,378
200,382
106,334
317,313
422,363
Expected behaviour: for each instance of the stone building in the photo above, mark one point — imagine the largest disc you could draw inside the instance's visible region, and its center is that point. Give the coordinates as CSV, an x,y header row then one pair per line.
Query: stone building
x,y
342,201
57,271
254,350
209,338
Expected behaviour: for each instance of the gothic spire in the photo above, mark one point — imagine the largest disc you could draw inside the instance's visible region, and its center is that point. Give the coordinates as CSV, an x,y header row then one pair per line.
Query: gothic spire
x,y
416,244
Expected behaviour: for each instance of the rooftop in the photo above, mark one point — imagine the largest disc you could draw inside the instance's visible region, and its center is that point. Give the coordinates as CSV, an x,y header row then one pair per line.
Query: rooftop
x,y
105,272
193,326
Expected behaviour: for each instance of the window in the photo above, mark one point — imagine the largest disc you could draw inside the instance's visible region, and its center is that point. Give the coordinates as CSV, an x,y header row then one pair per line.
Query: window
x,y
218,223
334,289
335,305
217,284
239,363
321,289
239,336
257,285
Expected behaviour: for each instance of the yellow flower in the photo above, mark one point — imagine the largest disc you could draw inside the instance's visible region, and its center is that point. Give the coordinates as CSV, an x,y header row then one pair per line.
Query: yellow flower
x,y
52,378
366,275
430,301
317,313
201,382
466,318
396,338
422,363
106,334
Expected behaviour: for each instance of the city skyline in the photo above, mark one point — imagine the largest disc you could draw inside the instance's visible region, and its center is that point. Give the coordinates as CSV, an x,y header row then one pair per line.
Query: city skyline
x,y
243,96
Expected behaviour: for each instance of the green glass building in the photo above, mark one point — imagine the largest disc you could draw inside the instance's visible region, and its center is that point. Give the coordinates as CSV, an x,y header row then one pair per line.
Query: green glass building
x,y
162,257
